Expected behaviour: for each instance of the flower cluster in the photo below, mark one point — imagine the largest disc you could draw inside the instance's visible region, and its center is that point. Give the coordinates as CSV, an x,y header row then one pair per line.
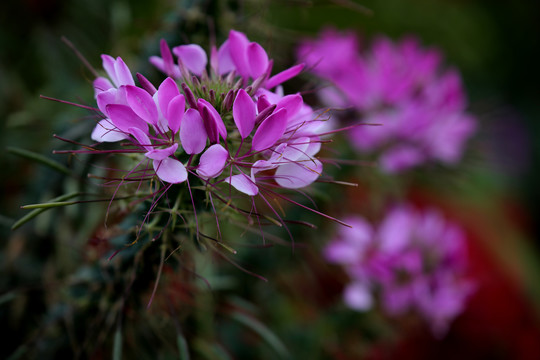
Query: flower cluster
x,y
226,122
414,260
246,130
400,86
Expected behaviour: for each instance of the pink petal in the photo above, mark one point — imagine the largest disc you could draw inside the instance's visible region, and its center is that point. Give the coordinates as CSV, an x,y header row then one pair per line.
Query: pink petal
x,y
270,130
146,84
262,103
212,161
101,84
167,58
357,296
166,92
193,57
210,126
177,106
124,118
216,120
293,104
170,170
160,65
296,149
225,62
192,132
299,173
142,103
244,113
105,98
105,131
400,158
272,163
238,44
257,60
123,75
108,65
262,165
284,76
142,138
243,183
160,154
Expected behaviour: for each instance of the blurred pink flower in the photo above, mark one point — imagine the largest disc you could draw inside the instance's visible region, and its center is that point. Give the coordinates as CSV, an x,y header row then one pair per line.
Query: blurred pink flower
x,y
414,260
419,105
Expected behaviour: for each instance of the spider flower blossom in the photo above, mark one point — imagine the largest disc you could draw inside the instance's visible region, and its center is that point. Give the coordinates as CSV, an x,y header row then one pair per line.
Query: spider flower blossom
x,y
222,119
413,260
400,86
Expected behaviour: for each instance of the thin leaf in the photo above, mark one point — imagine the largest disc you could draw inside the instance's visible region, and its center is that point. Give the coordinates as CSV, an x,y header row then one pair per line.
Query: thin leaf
x,y
30,155
38,211
49,205
266,334
117,346
182,347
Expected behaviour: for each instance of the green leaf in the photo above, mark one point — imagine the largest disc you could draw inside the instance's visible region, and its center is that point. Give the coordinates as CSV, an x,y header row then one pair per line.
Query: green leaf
x,y
39,210
117,346
266,334
30,155
182,347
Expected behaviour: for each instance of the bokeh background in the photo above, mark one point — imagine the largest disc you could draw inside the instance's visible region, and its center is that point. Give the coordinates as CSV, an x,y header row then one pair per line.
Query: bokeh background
x,y
495,45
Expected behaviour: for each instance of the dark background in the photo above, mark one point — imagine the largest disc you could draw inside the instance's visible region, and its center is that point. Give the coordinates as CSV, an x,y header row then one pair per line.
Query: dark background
x,y
495,45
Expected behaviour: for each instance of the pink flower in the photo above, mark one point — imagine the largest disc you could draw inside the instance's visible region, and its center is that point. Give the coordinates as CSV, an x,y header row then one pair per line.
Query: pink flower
x,y
402,87
227,128
415,260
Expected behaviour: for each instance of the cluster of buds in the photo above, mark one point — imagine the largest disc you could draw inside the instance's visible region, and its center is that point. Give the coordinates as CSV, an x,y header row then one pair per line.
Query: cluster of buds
x,y
226,124
419,105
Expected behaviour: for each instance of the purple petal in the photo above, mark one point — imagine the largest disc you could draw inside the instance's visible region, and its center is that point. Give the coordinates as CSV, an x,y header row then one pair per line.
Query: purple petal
x,y
105,131
170,170
397,230
160,154
215,118
124,118
192,132
142,103
105,98
272,163
293,104
210,126
270,130
212,161
244,113
123,75
160,65
401,158
193,57
358,297
238,44
299,173
108,65
166,92
257,60
142,138
146,84
262,165
296,149
225,62
262,103
243,183
176,110
167,58
101,84
284,76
